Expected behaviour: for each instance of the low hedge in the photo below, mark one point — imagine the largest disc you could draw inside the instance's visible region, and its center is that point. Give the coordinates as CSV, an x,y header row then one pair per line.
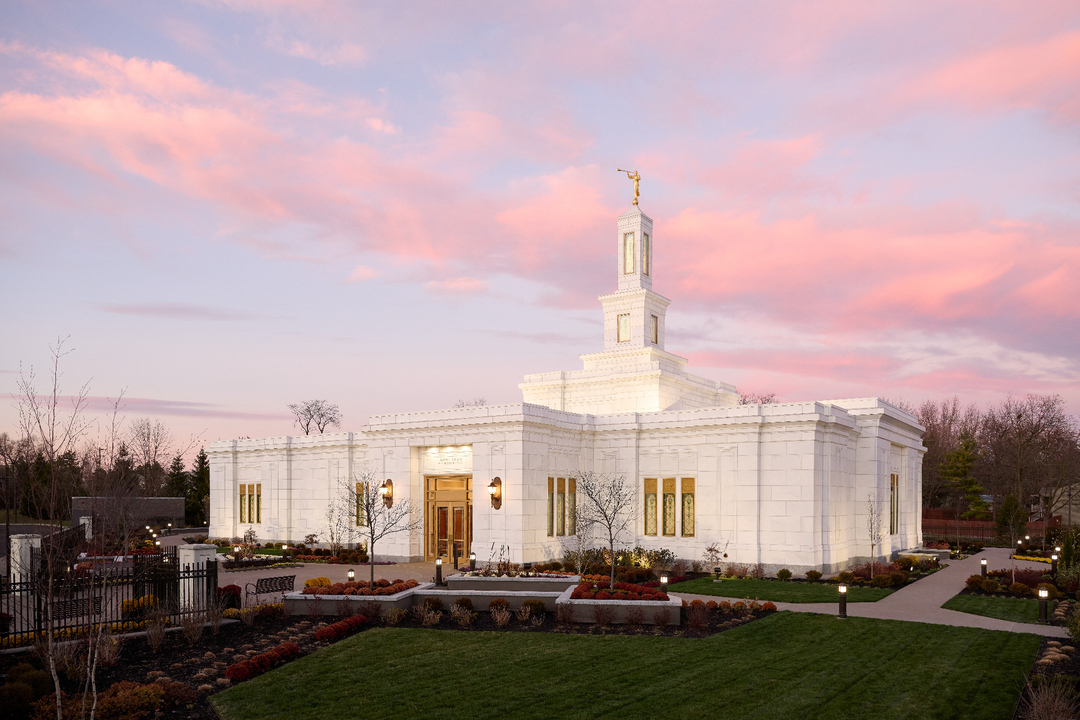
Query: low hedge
x,y
258,664
338,630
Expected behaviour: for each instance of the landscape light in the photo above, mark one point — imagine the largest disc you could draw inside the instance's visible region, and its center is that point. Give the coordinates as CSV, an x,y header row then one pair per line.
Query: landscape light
x,y
843,601
472,561
352,574
663,579
438,571
984,567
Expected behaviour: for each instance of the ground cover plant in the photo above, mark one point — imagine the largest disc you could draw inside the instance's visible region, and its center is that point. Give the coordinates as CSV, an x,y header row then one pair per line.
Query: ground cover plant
x,y
1022,610
777,591
785,665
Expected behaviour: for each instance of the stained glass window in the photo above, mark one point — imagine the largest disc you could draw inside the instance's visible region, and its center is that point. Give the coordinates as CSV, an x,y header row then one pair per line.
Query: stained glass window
x,y
628,253
551,507
560,506
571,509
669,506
243,503
688,507
650,506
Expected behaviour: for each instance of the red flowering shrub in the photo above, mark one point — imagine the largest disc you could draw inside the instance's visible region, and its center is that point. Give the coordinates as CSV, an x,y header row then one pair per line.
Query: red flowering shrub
x,y
697,603
362,587
262,662
739,607
340,629
621,591
712,605
768,606
724,606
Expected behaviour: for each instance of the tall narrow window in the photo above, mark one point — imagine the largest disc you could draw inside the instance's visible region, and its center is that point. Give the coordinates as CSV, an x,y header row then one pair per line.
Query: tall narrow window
x,y
655,329
258,504
650,506
551,508
361,498
688,507
624,328
669,506
646,254
628,253
571,507
894,504
560,506
243,503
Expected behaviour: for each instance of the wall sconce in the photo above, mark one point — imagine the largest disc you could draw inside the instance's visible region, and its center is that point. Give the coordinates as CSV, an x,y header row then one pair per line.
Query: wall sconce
x,y
352,574
495,491
387,492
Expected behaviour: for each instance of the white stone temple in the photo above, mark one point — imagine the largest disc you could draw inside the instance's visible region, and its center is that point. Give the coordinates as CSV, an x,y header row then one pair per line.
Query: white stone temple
x,y
784,484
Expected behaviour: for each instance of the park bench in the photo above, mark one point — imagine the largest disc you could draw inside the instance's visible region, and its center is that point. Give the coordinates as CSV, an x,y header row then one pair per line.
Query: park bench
x,y
281,583
67,609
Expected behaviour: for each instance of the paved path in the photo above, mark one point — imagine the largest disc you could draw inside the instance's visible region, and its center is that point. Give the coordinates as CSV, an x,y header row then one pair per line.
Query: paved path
x,y
921,601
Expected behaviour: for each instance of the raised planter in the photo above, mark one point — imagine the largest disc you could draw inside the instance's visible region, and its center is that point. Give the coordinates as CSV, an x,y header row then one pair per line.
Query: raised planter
x,y
457,583
927,553
585,610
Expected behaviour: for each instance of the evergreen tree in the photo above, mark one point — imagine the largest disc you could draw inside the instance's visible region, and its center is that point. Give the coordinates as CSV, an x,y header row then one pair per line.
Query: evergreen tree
x,y
958,472
177,480
198,490
1011,520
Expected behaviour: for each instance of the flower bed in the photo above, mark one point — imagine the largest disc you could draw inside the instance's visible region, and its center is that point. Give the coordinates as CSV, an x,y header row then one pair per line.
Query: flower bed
x,y
1048,561
619,592
340,629
361,587
262,662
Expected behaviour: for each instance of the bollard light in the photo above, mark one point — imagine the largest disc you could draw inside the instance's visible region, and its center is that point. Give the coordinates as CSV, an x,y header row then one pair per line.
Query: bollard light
x,y
843,600
1043,594
236,549
158,543
1026,538
1053,564
984,567
438,571
352,574
1057,549
472,561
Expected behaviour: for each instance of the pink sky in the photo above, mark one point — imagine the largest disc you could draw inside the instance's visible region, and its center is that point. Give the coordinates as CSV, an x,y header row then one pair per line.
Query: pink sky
x,y
232,206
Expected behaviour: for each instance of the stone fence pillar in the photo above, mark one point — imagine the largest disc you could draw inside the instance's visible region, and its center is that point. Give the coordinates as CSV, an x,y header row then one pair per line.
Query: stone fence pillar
x,y
22,548
198,575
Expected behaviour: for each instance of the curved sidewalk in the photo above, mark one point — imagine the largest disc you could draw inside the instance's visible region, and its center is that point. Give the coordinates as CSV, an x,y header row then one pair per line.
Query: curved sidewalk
x,y
922,600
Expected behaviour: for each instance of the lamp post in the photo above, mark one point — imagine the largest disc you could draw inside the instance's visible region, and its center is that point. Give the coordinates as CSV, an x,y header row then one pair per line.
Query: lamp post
x,y
472,561
663,582
1053,564
843,601
983,563
438,571
1043,594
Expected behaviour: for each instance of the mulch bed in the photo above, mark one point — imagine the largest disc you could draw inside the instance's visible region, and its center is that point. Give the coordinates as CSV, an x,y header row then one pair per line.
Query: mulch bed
x,y
179,660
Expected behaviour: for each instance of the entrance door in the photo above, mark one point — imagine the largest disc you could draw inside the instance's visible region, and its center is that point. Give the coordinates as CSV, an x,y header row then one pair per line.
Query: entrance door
x,y
448,517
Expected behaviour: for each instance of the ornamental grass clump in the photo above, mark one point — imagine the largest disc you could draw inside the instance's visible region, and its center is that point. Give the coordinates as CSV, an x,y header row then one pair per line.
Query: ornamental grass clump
x,y
462,616
500,615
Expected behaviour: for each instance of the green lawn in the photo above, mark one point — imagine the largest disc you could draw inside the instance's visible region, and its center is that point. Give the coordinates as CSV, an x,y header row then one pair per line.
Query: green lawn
x,y
1024,610
788,665
777,591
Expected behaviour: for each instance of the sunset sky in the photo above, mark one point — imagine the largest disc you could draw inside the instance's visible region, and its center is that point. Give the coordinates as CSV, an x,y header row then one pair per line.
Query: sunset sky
x,y
231,206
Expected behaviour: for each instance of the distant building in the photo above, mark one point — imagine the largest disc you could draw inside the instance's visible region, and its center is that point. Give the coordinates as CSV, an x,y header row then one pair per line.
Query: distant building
x,y
785,484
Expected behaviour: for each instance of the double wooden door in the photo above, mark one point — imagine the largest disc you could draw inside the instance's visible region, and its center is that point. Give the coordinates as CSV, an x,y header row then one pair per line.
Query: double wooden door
x,y
448,517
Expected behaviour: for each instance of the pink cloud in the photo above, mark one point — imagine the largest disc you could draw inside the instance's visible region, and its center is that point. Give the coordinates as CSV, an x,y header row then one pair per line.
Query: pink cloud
x,y
360,273
456,286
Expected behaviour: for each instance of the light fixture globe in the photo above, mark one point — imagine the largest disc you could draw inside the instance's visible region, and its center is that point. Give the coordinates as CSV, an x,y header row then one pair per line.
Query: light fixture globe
x,y
352,574
843,589
1043,593
494,489
386,491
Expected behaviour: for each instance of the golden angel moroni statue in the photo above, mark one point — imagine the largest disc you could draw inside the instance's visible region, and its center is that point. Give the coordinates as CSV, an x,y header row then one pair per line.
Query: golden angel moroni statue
x,y
636,177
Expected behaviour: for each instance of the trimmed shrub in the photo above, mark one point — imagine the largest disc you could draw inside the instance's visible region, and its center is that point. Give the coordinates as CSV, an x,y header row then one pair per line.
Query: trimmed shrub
x,y
536,607
433,604
990,585
974,582
899,577
783,574
813,575
847,577
464,602
1019,589
317,582
882,581
258,664
498,603
339,629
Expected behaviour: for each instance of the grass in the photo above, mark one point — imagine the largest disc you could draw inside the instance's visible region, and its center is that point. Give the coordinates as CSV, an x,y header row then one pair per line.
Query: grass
x,y
793,592
1021,610
786,665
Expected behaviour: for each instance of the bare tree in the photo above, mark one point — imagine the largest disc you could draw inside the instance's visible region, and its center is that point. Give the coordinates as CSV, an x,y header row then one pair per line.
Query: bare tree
x,y
945,421
577,546
375,518
318,413
341,516
753,398
54,432
606,503
475,402
873,526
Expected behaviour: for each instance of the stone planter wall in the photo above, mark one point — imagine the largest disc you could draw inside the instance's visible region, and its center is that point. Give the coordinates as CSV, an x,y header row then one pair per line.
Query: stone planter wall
x,y
512,584
584,611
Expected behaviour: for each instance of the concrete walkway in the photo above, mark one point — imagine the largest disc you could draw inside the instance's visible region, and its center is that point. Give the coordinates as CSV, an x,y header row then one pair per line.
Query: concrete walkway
x,y
921,601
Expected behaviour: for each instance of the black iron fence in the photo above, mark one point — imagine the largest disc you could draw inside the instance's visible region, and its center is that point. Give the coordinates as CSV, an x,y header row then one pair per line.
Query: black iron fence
x,y
125,594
